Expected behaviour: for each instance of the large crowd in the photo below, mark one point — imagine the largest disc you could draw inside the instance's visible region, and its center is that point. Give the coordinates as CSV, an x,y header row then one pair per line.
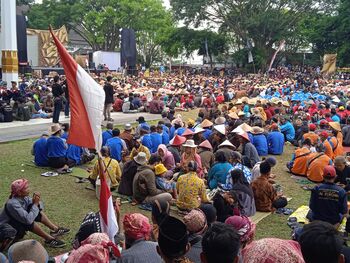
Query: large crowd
x,y
215,169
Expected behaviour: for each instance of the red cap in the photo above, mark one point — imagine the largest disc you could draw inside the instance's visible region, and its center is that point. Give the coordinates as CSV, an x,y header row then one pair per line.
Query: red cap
x,y
329,171
312,127
324,134
323,122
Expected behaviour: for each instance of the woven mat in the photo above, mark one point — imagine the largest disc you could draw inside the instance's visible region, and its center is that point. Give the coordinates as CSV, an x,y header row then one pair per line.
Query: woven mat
x,y
79,173
259,216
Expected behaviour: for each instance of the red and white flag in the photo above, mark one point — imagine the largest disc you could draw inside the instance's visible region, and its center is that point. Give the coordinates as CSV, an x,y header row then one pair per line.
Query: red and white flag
x,y
86,102
107,212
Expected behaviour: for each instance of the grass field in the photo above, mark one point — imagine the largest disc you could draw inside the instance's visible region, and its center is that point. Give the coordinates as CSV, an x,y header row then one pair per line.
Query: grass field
x,y
66,202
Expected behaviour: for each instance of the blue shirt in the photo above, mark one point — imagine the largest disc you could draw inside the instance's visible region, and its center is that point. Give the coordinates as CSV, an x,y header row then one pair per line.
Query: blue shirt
x,y
156,139
288,130
229,184
275,141
335,118
64,135
328,202
74,153
105,136
40,152
180,131
165,129
147,141
116,147
171,132
260,143
217,174
56,147
207,133
165,138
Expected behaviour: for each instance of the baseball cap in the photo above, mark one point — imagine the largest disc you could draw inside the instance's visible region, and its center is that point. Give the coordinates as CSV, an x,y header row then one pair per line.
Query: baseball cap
x,y
312,127
329,171
324,134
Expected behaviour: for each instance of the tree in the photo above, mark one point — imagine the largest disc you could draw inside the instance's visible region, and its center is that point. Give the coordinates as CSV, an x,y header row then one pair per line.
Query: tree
x,y
186,41
266,22
98,22
151,34
24,2
330,33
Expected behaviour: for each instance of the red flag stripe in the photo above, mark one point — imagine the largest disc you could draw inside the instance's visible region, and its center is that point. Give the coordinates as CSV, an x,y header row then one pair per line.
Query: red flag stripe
x,y
80,124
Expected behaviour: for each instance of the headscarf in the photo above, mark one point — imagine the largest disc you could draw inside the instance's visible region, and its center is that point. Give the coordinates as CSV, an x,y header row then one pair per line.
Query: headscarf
x,y
273,250
244,226
17,186
89,253
95,248
168,158
136,226
196,222
96,238
165,151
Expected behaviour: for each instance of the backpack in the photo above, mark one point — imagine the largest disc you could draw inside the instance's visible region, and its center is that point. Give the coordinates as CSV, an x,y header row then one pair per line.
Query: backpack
x,y
91,224
26,113
7,112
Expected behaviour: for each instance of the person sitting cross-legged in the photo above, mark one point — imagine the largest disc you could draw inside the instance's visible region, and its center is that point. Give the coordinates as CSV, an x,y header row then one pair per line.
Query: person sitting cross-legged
x,y
328,202
111,166
23,214
266,197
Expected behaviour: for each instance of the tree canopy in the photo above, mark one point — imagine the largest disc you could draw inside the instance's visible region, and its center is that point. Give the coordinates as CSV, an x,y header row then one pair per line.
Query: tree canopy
x,y
266,22
99,21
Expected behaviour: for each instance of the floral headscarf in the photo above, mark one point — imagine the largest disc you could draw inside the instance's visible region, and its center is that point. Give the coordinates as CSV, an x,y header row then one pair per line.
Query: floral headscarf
x,y
136,226
273,250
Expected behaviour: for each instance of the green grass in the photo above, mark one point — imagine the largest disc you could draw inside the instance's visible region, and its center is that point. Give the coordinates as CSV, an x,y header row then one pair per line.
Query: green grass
x,y
67,202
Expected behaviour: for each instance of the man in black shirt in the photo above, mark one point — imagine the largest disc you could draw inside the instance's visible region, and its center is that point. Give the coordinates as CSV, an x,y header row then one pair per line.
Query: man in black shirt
x,y
343,172
57,92
109,92
66,95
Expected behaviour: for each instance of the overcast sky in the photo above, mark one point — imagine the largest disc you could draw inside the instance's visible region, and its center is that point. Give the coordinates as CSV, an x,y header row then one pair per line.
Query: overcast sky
x,y
166,3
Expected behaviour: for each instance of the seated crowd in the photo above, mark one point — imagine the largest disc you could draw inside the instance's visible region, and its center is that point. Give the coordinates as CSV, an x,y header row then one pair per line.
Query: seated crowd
x,y
217,171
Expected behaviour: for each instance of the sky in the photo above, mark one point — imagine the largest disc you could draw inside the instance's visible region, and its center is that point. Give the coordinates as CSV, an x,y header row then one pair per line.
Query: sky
x,y
165,2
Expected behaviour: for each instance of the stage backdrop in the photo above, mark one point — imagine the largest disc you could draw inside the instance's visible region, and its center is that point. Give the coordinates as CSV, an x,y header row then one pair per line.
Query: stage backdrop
x,y
48,56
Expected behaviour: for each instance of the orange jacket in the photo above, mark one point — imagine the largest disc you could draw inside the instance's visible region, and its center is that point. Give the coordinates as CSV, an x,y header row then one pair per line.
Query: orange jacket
x,y
315,164
339,150
300,161
328,149
314,138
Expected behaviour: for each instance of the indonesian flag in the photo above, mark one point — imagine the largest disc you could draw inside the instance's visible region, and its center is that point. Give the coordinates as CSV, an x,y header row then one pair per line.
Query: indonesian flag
x,y
86,102
107,212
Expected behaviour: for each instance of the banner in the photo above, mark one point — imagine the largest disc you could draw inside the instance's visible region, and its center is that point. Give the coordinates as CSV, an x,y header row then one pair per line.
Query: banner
x,y
250,57
281,46
147,73
329,63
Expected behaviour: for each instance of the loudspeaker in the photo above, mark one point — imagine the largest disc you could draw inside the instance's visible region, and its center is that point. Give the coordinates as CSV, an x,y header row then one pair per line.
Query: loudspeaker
x,y
128,48
21,25
91,57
